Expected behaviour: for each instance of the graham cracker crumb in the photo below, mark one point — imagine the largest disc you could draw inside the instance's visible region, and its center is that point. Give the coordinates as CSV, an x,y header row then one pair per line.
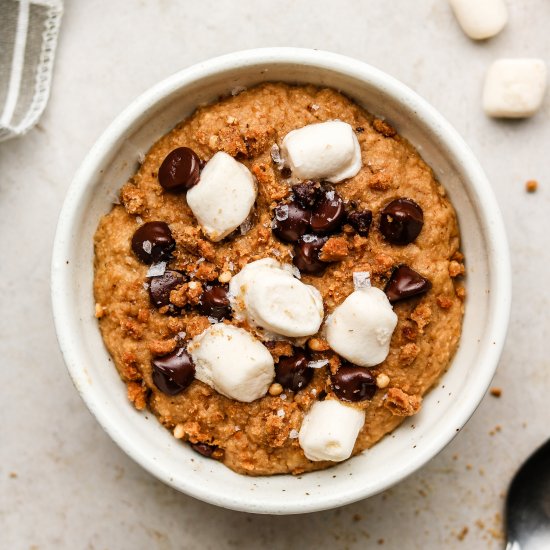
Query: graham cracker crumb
x,y
133,199
444,302
456,269
408,354
162,347
207,272
401,403
384,128
317,344
137,395
334,250
279,349
380,181
422,315
495,392
188,293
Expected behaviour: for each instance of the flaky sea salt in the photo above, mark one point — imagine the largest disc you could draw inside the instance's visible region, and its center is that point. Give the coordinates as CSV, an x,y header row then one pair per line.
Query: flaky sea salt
x,y
309,238
156,270
141,157
283,396
246,226
147,246
281,413
276,155
213,320
181,335
361,279
281,213
139,220
318,364
145,286
293,434
295,271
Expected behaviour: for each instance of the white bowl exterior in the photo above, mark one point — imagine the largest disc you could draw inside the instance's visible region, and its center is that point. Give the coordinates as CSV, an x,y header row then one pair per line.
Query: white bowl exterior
x,y
446,408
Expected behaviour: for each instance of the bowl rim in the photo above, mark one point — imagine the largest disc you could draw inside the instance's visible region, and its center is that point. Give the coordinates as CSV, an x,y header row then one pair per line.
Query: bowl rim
x,y
493,228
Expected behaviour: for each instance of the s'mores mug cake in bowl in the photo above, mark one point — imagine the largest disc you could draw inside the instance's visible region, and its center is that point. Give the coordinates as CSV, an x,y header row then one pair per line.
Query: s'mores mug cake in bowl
x,y
269,269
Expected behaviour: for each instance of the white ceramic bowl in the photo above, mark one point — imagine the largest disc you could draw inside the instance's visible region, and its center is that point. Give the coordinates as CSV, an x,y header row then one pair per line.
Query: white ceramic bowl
x,y
447,407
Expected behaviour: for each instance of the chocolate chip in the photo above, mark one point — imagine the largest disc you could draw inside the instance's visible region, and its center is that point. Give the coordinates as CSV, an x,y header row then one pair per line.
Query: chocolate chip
x,y
203,449
405,283
180,170
401,221
161,286
329,214
307,194
290,222
214,302
306,254
360,220
174,372
322,395
293,372
153,242
352,383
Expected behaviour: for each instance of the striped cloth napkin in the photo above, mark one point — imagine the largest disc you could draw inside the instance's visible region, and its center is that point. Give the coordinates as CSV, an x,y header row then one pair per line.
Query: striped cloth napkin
x,y
28,36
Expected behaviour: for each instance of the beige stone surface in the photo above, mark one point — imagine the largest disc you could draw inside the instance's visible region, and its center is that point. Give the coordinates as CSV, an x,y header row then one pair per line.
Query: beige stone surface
x,y
63,482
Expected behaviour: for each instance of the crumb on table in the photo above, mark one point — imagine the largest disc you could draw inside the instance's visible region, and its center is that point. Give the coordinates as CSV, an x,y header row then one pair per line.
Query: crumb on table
x,y
531,186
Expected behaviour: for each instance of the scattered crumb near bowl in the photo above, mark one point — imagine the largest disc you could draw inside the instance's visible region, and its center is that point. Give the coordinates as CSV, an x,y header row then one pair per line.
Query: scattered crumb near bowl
x,y
531,186
496,429
462,534
495,392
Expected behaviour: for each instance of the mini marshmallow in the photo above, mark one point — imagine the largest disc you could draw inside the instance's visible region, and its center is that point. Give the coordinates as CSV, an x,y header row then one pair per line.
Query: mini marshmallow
x,y
360,328
514,88
324,151
268,296
223,197
480,19
233,362
329,430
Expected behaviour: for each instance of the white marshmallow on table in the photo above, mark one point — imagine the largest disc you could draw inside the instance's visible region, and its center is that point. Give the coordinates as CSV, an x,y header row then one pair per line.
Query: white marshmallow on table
x,y
223,197
323,151
514,88
480,19
329,430
360,328
267,294
233,362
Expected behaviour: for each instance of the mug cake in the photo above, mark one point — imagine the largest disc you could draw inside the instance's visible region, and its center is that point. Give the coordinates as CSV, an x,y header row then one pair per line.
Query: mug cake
x,y
281,281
